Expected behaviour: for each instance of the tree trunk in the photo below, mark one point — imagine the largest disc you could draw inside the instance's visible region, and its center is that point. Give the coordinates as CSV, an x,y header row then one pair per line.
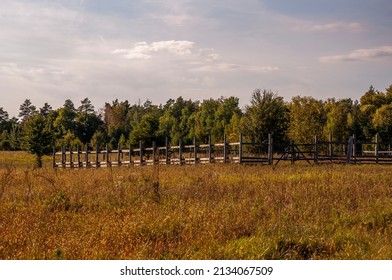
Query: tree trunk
x,y
39,161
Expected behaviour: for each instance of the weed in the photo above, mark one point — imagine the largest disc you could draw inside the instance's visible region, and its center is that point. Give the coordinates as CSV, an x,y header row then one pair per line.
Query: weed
x,y
59,201
59,254
298,250
6,179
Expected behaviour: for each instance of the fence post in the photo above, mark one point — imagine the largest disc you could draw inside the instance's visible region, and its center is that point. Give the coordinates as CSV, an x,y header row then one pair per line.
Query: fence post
x,y
86,156
119,154
350,150
209,149
316,149
54,157
292,151
354,148
78,155
240,150
377,148
270,149
63,157
224,148
130,155
97,157
70,157
195,149
141,152
167,150
330,147
180,152
107,156
154,148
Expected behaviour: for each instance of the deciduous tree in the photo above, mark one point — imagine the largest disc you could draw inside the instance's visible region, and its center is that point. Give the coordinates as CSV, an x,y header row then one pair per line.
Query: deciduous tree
x,y
339,119
267,113
382,122
225,111
307,119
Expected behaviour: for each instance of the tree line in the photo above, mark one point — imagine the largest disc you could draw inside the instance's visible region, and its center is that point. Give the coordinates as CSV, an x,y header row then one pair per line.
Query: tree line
x,y
125,124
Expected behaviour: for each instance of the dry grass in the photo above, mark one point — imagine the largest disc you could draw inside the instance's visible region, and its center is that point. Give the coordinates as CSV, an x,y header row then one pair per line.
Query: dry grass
x,y
197,212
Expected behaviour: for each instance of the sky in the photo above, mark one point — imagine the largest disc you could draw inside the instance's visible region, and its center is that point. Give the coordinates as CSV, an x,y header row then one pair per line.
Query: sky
x,y
136,50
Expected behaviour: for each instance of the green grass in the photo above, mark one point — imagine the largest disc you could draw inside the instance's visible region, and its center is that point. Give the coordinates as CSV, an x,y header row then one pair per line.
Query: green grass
x,y
21,159
197,212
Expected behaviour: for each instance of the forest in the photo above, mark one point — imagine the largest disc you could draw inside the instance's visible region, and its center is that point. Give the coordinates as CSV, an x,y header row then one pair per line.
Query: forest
x,y
38,130
195,212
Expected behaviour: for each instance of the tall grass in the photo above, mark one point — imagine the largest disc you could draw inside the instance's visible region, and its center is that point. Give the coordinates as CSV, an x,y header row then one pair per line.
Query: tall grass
x,y
197,212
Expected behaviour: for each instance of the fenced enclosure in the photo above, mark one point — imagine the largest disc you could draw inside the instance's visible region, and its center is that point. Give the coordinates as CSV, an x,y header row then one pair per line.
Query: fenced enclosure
x,y
266,152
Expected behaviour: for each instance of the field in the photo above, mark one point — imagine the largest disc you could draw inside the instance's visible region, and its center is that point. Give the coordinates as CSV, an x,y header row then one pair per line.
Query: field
x,y
195,212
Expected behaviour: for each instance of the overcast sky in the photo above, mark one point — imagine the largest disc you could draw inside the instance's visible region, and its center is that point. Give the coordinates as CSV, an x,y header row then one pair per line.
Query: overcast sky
x,y
55,50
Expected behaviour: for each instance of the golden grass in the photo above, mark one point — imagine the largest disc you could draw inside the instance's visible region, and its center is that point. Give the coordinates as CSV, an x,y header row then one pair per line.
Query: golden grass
x,y
197,212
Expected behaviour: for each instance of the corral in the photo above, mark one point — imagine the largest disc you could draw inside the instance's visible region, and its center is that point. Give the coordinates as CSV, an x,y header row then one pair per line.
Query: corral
x,y
267,152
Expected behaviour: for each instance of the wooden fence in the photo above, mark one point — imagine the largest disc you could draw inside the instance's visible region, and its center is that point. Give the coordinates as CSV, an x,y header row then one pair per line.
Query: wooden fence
x,y
240,152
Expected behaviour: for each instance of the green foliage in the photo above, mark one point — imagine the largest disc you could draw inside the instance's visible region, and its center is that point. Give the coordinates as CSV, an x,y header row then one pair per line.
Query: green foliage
x,y
374,97
122,140
267,114
366,114
14,136
27,109
204,120
59,201
120,118
371,119
46,110
64,122
86,107
98,140
228,107
37,137
340,119
235,127
9,131
86,125
307,119
5,145
147,129
3,119
382,122
175,121
69,140
300,120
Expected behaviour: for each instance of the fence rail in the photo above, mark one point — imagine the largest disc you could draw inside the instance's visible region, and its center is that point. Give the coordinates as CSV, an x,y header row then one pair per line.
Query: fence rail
x,y
240,152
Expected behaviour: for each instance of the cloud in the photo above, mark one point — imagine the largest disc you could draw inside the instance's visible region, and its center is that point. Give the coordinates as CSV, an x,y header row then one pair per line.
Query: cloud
x,y
360,55
336,26
174,14
34,74
176,20
209,55
199,60
143,50
231,67
331,27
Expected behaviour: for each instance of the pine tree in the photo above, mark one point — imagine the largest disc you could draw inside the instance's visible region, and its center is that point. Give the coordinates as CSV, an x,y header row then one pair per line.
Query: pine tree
x,y
27,109
37,137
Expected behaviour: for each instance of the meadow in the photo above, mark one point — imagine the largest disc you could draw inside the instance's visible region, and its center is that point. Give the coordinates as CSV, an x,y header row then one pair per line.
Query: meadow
x,y
219,211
